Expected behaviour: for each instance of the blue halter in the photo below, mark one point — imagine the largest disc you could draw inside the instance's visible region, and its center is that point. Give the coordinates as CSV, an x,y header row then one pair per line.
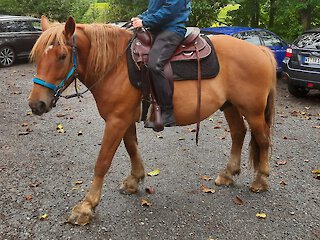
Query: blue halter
x,y
59,88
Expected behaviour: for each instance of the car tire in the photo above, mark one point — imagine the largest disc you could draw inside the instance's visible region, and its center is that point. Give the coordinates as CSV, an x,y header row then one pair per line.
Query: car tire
x,y
7,56
297,91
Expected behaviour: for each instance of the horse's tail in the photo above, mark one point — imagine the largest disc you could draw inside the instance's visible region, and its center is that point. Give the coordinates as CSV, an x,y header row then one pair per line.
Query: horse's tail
x,y
269,112
270,107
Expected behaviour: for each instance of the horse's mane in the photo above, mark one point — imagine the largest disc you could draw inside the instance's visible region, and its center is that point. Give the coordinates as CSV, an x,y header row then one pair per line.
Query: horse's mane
x,y
104,49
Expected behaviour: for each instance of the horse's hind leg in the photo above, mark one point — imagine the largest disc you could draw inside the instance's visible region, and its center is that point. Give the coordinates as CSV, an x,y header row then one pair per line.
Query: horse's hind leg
x,y
259,152
238,132
131,183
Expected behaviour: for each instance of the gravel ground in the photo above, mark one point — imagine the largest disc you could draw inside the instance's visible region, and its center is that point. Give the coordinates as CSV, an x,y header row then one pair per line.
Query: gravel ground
x,y
40,168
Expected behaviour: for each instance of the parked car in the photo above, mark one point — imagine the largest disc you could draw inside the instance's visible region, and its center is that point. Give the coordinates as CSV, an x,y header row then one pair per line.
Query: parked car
x,y
301,66
256,36
18,34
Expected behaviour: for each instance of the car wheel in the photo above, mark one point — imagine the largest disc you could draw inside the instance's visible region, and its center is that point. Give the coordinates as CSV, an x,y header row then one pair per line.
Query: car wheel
x,y
7,56
297,91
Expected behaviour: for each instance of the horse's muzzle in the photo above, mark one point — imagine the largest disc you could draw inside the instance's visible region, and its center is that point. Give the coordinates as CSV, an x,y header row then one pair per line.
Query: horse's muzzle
x,y
38,108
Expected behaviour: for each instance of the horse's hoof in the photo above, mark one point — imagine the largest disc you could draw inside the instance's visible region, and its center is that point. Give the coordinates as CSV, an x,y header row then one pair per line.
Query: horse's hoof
x,y
258,187
81,215
129,186
223,180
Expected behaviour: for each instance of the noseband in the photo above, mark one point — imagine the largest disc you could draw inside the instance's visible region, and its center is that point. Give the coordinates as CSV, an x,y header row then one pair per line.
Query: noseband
x,y
58,89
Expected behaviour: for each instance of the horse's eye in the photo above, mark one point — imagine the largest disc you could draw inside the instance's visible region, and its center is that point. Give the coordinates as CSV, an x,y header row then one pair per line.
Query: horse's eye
x,y
62,56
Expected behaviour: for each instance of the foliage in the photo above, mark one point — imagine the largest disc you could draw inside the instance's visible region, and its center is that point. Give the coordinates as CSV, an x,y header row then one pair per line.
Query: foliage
x,y
287,18
54,9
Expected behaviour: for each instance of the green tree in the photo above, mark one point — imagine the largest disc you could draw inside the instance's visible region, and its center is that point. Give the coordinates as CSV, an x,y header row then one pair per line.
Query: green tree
x,y
55,9
205,12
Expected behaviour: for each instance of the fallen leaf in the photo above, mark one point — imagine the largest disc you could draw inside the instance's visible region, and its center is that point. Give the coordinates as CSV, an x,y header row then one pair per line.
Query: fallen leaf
x,y
78,182
211,119
28,197
75,188
181,138
23,133
154,172
33,185
43,216
24,124
261,215
282,162
283,183
145,202
60,128
237,200
61,115
150,190
29,113
159,136
216,127
192,130
206,178
317,127
80,133
317,171
205,189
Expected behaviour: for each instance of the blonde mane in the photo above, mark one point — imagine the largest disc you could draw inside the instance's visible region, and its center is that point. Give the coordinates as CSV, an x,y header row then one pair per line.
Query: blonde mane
x,y
104,48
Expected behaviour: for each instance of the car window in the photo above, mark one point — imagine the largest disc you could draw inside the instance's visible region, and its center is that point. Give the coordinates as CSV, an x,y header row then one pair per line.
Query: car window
x,y
308,40
20,26
270,40
250,37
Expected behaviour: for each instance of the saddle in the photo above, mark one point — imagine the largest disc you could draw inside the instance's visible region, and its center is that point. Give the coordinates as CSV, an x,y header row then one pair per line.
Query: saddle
x,y
193,47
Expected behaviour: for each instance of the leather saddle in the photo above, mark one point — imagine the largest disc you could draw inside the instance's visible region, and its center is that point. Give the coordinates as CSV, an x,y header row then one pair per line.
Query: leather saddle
x,y
193,47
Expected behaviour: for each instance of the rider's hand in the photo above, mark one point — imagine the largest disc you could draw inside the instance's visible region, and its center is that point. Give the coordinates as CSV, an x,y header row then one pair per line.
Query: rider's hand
x,y
136,22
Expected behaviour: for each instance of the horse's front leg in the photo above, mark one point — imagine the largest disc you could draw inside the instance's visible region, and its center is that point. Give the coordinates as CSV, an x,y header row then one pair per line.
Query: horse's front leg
x,y
131,183
113,133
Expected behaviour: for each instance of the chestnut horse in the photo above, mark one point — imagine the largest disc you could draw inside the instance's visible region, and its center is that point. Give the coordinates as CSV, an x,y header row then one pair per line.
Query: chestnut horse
x,y
246,81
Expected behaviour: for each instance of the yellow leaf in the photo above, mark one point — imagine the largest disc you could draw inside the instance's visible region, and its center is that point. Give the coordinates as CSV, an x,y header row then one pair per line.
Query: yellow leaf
x,y
29,113
261,215
75,188
154,172
78,182
60,128
145,202
205,189
317,171
43,216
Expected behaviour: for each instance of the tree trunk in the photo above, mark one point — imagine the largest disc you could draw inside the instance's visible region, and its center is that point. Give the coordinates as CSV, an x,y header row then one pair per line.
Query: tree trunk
x,y
305,18
272,13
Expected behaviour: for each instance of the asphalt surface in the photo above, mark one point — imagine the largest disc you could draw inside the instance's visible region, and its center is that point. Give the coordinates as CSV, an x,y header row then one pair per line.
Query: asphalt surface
x,y
44,173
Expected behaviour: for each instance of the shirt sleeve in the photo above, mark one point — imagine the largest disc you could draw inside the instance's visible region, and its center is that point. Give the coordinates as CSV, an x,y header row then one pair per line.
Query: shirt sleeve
x,y
166,13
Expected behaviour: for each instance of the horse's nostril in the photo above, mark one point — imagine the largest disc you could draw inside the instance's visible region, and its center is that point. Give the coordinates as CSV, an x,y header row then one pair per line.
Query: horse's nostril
x,y
38,108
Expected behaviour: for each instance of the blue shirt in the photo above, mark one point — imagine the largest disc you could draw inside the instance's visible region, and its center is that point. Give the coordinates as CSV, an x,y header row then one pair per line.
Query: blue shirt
x,y
170,15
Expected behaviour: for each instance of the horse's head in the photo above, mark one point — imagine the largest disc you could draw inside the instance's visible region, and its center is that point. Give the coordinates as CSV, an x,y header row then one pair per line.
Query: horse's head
x,y
56,60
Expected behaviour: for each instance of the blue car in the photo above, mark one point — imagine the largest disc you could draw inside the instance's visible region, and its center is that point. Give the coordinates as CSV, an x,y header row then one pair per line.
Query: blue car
x,y
255,36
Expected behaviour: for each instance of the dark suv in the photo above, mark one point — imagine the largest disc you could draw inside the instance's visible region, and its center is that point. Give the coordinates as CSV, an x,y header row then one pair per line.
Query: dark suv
x,y
17,37
301,66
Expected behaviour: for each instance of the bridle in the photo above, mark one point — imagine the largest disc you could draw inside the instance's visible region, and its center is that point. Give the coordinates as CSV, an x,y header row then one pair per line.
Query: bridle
x,y
72,75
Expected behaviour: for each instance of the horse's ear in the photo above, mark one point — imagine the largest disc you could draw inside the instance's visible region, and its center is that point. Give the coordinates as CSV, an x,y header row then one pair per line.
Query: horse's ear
x,y
69,28
44,23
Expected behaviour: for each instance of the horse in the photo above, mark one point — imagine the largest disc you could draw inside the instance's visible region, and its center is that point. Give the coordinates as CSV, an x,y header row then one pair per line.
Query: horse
x,y
246,81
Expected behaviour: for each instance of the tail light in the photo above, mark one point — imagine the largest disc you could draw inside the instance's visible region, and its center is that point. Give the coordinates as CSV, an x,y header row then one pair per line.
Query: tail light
x,y
288,53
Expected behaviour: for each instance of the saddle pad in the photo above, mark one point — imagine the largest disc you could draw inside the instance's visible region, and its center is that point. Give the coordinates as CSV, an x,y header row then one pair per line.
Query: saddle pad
x,y
182,70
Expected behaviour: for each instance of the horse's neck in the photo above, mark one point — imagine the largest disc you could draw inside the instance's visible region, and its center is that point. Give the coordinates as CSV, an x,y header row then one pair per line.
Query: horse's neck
x,y
116,67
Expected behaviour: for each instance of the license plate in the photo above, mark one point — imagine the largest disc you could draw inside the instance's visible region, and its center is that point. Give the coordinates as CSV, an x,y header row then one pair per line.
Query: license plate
x,y
312,60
